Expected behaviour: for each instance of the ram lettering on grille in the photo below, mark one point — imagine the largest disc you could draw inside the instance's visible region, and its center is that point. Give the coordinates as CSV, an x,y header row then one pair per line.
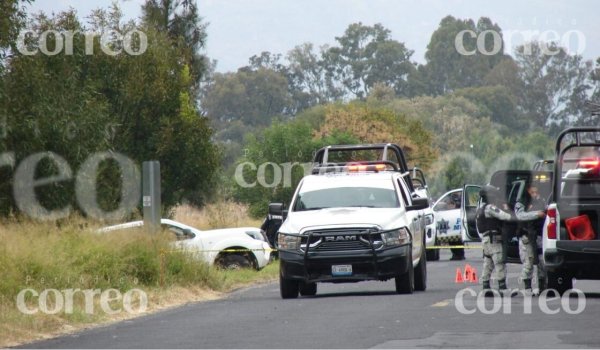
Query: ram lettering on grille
x,y
340,238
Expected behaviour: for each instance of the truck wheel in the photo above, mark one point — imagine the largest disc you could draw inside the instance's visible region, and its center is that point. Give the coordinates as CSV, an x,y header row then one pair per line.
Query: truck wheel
x,y
308,289
421,274
433,254
288,288
405,284
559,281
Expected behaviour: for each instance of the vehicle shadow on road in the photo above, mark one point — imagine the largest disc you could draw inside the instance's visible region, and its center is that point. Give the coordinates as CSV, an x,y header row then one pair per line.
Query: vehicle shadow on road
x,y
351,294
588,295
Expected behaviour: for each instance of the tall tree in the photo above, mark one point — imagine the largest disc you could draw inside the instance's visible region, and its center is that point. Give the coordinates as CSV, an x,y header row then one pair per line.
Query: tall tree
x,y
367,55
556,84
12,20
596,79
180,19
266,60
447,68
253,97
506,74
140,106
309,82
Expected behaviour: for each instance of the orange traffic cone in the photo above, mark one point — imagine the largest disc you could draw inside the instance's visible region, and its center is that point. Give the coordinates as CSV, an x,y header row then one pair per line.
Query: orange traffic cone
x,y
459,276
474,276
468,273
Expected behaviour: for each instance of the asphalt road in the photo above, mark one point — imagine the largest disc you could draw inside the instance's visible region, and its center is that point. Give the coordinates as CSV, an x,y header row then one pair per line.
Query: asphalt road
x,y
359,315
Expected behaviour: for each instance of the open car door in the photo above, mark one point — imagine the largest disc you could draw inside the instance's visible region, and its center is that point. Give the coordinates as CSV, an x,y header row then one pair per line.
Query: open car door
x,y
470,200
513,185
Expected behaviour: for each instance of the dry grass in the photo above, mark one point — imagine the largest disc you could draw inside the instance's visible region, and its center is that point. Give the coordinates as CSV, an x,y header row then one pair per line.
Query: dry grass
x,y
222,214
71,255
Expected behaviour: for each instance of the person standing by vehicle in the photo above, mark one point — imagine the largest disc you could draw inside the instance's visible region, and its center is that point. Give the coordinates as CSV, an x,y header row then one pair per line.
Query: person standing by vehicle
x,y
490,220
271,226
530,211
454,203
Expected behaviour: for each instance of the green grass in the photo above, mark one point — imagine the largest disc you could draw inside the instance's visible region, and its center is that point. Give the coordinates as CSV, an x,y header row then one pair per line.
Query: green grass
x,y
240,278
71,255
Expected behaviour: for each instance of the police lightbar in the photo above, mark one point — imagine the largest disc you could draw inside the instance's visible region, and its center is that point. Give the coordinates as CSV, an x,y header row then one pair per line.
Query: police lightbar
x,y
589,163
592,165
363,167
354,167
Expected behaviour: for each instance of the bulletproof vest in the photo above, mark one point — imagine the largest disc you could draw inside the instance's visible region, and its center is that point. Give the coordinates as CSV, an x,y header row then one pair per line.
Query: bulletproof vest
x,y
487,224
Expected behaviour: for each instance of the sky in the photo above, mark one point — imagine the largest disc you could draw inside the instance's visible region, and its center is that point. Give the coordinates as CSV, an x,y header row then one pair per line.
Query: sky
x,y
239,29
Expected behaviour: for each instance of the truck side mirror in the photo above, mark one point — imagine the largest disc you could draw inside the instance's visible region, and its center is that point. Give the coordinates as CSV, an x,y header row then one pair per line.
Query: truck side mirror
x,y
276,209
418,204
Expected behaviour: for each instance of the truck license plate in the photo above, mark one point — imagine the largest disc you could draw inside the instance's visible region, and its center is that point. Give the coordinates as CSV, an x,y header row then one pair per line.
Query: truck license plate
x,y
341,270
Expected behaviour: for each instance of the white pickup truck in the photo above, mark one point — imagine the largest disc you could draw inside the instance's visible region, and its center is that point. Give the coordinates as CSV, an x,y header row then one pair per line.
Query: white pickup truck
x,y
353,221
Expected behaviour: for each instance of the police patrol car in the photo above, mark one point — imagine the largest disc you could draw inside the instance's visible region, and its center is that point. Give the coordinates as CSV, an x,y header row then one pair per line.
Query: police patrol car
x,y
353,221
448,217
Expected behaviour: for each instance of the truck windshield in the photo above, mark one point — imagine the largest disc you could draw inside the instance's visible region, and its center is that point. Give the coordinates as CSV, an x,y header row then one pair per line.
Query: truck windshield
x,y
338,197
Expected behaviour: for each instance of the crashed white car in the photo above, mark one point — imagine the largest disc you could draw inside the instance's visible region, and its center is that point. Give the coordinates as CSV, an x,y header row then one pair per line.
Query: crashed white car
x,y
228,248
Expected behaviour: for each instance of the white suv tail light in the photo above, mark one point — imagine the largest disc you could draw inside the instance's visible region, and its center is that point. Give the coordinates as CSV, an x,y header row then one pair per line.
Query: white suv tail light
x,y
551,228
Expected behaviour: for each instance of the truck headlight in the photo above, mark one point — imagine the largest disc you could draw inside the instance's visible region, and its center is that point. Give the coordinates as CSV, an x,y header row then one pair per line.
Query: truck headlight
x,y
288,242
428,219
396,237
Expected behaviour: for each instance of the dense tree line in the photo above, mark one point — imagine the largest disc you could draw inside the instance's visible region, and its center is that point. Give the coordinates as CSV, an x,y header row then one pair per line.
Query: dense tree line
x,y
141,106
530,90
478,105
365,87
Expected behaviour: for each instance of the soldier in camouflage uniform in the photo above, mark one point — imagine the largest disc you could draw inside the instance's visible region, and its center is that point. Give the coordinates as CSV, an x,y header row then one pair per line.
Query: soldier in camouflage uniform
x,y
490,220
530,211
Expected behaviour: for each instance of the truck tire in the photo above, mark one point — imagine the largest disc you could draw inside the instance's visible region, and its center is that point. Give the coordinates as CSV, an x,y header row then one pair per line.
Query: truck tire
x,y
561,281
421,273
288,288
433,254
308,289
405,284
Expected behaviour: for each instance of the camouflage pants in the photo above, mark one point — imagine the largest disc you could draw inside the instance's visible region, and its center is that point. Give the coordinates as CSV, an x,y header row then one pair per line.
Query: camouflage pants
x,y
492,260
527,255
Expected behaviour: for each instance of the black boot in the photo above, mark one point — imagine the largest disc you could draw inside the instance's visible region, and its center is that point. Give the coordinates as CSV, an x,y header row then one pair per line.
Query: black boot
x,y
487,289
542,284
527,291
502,285
504,291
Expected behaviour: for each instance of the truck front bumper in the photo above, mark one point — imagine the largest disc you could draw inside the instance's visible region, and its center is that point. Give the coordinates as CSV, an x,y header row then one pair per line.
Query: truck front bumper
x,y
366,264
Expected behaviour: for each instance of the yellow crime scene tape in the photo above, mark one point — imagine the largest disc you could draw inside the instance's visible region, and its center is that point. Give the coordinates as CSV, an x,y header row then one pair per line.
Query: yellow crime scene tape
x,y
275,250
455,246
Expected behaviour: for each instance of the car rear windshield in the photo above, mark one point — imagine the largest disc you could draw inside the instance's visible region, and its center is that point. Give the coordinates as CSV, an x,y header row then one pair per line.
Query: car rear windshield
x,y
337,197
